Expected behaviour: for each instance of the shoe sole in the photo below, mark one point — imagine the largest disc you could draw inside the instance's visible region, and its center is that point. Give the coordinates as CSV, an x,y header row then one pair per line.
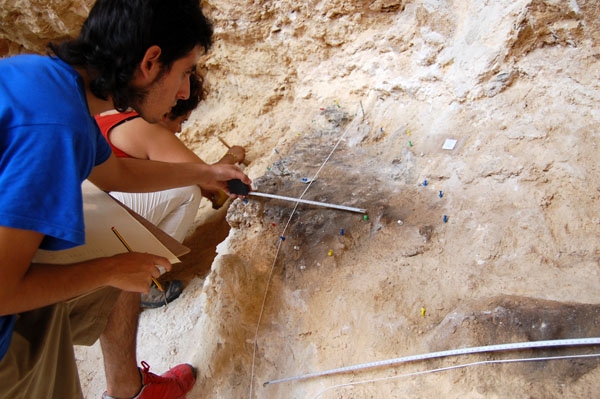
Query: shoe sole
x,y
173,292
194,371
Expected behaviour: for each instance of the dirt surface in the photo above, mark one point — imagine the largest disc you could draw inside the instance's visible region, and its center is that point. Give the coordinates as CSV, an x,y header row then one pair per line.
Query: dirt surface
x,y
367,93
401,282
491,242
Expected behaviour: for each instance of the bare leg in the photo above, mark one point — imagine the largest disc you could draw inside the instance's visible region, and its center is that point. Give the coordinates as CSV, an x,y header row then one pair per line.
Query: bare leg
x,y
118,342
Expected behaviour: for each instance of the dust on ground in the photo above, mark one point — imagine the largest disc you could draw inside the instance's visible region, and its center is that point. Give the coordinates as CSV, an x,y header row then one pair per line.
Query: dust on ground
x,y
500,245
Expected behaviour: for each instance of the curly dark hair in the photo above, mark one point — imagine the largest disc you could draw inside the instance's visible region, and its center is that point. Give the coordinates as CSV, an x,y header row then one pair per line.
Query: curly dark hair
x,y
117,34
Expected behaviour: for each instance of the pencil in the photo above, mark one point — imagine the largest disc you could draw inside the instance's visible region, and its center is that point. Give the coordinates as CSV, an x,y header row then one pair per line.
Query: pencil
x,y
245,162
224,143
120,237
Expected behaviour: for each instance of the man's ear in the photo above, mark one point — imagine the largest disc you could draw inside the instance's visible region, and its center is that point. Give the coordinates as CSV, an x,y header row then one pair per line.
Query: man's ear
x,y
150,67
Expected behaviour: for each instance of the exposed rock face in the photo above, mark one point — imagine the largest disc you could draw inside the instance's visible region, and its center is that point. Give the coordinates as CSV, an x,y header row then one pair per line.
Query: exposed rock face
x,y
516,83
28,25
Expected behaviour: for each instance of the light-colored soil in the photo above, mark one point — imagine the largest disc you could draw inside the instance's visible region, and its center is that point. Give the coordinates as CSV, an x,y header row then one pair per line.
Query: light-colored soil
x,y
516,83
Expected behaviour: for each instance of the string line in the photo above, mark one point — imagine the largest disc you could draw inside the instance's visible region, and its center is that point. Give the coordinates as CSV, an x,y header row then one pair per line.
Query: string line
x,y
446,353
459,366
262,308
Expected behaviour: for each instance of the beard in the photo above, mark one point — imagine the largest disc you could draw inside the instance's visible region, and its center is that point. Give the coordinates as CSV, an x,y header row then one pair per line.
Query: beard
x,y
139,97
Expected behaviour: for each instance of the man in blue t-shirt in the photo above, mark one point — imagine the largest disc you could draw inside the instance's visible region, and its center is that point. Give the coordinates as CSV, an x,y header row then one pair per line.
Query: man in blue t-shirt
x,y
129,54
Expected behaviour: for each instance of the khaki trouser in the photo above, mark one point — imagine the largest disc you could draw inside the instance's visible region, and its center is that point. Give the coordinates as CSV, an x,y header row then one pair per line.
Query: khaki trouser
x,y
40,362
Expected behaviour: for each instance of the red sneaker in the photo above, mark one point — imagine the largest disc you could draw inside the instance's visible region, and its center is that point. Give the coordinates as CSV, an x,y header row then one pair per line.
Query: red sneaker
x,y
173,384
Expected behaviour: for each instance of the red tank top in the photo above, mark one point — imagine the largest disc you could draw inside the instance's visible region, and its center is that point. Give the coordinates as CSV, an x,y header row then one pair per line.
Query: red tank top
x,y
107,122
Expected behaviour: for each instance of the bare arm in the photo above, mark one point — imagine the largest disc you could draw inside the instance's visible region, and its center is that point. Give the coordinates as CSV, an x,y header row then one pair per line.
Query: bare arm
x,y
137,175
155,142
27,286
144,140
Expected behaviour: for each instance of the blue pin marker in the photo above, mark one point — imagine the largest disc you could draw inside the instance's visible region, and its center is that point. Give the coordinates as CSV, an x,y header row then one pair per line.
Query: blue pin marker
x,y
342,232
282,238
445,219
441,194
425,182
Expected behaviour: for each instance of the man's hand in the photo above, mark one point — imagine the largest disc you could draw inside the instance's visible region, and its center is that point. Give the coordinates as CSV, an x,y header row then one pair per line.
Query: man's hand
x,y
134,271
220,174
28,286
140,175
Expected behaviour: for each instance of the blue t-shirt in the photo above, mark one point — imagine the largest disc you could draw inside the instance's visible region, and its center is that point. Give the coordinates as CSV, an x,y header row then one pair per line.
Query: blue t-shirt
x,y
49,144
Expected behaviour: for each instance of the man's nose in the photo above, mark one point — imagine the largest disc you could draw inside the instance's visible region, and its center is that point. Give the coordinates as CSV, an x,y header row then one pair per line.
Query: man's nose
x,y
184,90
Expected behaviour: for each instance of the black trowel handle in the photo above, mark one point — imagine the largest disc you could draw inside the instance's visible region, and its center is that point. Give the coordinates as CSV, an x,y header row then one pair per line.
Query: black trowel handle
x,y
238,187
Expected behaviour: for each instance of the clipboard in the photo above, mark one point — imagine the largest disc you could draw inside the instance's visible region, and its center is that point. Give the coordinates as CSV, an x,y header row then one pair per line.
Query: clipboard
x,y
101,213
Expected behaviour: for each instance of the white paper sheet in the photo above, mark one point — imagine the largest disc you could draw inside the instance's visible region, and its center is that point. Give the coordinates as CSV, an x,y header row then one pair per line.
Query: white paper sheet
x,y
101,213
449,144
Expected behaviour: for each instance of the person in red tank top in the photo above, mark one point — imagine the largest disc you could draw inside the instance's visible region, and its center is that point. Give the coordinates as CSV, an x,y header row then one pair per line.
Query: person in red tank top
x,y
174,210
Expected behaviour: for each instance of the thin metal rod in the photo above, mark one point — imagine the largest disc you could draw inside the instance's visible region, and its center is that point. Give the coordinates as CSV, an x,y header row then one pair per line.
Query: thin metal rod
x,y
303,201
452,352
456,367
